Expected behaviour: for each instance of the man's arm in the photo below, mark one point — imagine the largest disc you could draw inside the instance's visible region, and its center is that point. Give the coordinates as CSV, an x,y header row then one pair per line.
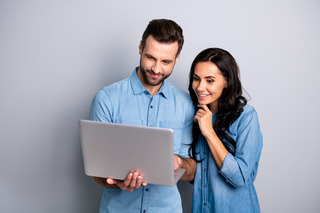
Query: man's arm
x,y
188,164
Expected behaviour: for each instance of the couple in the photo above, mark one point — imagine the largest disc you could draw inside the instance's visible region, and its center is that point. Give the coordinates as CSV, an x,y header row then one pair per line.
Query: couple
x,y
223,131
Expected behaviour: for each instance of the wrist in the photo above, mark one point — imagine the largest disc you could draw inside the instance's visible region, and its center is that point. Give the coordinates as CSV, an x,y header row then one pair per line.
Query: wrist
x,y
210,134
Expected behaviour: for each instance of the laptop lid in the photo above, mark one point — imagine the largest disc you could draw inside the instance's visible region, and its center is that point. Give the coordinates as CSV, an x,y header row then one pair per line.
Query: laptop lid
x,y
113,150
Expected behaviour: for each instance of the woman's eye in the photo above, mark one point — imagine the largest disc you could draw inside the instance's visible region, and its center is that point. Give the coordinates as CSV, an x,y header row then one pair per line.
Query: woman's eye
x,y
210,81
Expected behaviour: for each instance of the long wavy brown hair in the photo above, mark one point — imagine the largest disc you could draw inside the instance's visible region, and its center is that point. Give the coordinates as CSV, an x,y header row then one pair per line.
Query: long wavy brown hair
x,y
231,102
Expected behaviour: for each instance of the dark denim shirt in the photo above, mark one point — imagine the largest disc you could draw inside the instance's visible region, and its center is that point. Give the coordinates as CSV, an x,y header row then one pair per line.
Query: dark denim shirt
x,y
230,189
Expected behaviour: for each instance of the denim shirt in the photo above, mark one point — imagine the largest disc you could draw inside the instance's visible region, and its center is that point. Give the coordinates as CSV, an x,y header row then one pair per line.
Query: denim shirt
x,y
128,102
230,189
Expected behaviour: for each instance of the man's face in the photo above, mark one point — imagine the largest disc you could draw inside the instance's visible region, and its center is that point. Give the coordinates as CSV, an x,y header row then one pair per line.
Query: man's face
x,y
156,62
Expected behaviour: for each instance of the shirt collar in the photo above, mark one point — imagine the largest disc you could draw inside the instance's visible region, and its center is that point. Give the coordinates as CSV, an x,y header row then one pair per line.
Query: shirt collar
x,y
138,87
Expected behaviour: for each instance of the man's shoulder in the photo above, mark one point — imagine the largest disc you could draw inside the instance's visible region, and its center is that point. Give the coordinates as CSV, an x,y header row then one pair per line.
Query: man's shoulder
x,y
124,83
177,92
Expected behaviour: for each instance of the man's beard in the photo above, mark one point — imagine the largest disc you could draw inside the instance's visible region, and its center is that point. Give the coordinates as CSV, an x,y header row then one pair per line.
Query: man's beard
x,y
149,79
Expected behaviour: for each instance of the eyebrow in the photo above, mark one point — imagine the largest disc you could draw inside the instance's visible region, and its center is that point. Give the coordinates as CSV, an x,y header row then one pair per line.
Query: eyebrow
x,y
166,60
206,77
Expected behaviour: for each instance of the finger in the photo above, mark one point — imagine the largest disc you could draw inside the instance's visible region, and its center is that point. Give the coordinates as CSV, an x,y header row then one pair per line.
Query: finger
x,y
139,182
134,180
127,181
110,181
200,115
202,112
204,107
196,118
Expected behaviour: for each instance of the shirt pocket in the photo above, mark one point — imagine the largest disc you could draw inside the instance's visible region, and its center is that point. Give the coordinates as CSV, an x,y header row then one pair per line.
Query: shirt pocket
x,y
177,127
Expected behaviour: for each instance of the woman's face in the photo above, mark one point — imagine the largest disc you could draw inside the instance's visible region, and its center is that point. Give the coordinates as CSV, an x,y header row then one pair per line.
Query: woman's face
x,y
208,84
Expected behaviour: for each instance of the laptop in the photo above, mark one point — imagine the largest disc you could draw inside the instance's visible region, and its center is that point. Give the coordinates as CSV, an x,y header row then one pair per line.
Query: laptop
x,y
113,150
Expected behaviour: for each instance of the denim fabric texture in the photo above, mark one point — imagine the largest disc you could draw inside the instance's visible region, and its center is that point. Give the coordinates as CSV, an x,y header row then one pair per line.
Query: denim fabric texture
x,y
128,102
230,189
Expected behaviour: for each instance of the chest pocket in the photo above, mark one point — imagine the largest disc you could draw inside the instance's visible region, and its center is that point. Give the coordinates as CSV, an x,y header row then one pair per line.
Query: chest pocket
x,y
177,128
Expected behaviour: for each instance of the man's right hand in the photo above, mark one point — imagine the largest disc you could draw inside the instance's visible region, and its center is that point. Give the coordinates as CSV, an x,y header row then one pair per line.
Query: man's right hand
x,y
133,181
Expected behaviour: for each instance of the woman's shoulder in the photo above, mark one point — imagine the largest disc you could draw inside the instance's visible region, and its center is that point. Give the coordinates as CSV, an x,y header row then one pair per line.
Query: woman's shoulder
x,y
248,109
247,120
249,113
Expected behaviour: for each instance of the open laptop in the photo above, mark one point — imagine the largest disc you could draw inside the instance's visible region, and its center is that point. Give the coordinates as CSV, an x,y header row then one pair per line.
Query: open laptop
x,y
113,150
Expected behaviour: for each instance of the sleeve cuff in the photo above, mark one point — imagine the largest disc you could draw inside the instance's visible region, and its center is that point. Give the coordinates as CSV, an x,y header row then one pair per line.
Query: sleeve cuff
x,y
229,166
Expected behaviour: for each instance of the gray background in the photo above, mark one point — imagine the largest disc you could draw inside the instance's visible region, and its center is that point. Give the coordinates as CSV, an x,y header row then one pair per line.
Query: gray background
x,y
55,55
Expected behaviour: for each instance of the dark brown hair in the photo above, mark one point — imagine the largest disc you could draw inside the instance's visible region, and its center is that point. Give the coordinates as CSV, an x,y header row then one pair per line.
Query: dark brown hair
x,y
231,102
164,31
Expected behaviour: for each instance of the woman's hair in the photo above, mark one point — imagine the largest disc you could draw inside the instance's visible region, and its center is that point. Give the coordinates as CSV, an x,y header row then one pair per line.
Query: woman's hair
x,y
231,102
164,31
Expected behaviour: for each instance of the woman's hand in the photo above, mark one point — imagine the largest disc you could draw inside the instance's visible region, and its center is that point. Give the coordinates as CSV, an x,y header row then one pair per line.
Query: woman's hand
x,y
204,119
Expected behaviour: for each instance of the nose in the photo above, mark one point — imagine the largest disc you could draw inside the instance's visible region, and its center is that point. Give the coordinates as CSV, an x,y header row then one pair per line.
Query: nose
x,y
156,67
201,86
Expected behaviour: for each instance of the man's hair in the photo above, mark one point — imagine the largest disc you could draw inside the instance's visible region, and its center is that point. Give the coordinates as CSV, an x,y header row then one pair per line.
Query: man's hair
x,y
164,31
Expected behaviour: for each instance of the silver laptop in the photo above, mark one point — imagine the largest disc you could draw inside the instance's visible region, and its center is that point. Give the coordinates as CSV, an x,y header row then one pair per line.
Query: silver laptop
x,y
113,150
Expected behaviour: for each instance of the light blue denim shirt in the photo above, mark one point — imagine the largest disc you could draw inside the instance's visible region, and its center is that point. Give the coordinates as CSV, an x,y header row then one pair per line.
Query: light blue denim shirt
x,y
128,102
230,189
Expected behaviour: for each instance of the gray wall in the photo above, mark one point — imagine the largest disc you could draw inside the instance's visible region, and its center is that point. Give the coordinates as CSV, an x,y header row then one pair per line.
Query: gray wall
x,y
55,55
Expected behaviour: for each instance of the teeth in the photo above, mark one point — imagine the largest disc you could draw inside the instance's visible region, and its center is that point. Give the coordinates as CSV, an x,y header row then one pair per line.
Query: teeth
x,y
203,95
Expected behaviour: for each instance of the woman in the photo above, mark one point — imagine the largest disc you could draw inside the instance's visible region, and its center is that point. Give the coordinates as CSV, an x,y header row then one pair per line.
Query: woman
x,y
227,140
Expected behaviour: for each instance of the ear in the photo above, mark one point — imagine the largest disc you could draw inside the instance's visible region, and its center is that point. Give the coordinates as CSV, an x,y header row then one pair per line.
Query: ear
x,y
225,84
177,58
140,48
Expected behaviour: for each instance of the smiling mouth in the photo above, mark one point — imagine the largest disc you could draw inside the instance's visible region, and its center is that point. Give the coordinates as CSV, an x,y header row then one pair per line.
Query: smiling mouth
x,y
153,75
202,95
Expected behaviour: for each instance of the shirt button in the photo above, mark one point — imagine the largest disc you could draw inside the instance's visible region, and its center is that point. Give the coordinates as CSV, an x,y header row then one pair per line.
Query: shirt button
x,y
204,204
147,189
204,169
205,186
151,106
144,211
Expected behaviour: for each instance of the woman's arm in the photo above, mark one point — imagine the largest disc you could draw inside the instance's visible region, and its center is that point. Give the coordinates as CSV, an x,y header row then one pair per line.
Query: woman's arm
x,y
204,119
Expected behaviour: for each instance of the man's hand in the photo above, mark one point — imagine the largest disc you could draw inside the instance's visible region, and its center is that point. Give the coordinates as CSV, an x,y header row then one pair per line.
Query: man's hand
x,y
186,163
133,181
177,163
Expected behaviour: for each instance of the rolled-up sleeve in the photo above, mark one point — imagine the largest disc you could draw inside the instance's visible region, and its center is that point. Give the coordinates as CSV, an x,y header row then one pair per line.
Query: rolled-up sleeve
x,y
237,169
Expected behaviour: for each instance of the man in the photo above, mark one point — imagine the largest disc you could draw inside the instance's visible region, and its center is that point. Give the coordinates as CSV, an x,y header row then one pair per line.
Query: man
x,y
146,99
